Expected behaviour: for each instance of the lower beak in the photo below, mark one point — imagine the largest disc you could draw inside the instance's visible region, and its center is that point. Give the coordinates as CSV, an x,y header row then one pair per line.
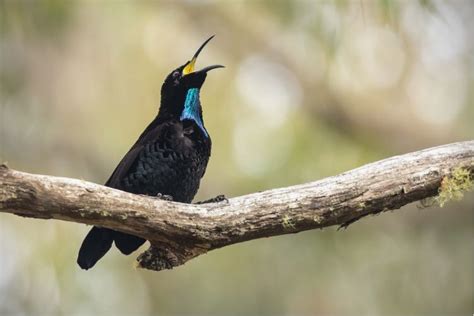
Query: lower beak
x,y
208,68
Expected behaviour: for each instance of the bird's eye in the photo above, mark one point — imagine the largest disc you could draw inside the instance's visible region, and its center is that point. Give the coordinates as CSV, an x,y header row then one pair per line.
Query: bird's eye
x,y
176,74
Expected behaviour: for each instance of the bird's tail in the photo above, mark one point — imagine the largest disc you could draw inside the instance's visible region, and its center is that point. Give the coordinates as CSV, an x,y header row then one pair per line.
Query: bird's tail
x,y
127,243
96,244
99,240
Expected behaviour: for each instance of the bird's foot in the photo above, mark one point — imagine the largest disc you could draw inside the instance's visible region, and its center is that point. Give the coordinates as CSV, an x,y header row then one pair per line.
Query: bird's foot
x,y
160,196
164,197
217,199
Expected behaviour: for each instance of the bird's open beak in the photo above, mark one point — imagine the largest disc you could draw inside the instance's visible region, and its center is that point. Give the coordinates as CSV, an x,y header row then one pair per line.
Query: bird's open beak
x,y
189,68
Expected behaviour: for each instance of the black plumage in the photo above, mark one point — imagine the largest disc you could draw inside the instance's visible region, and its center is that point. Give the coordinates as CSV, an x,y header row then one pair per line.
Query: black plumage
x,y
169,157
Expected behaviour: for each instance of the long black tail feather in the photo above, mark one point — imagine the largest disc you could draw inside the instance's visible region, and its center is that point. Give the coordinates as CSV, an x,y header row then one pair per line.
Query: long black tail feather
x,y
127,243
96,244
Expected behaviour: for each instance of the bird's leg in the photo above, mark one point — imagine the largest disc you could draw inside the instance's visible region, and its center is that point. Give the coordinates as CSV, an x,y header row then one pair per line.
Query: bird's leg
x,y
217,199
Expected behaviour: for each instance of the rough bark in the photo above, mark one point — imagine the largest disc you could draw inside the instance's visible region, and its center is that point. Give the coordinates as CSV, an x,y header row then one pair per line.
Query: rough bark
x,y
179,232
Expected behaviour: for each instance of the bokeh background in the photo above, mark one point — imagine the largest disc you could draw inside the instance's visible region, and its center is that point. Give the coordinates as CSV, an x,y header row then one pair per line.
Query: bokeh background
x,y
311,89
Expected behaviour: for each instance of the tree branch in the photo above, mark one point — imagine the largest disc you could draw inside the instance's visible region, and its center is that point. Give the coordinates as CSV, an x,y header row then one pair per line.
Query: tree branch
x,y
179,232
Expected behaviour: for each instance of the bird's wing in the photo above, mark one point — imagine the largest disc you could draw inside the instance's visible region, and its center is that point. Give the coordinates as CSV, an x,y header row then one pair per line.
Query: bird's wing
x,y
128,160
154,131
123,166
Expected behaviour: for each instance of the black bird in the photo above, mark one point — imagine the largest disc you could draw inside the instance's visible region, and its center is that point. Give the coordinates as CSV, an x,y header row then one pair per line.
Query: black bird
x,y
169,158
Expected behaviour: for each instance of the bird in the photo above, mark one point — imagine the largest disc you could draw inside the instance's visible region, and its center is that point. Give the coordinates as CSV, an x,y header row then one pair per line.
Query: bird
x,y
168,159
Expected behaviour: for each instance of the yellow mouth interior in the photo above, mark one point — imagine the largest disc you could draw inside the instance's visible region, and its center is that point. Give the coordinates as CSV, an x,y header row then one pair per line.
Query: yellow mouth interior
x,y
189,67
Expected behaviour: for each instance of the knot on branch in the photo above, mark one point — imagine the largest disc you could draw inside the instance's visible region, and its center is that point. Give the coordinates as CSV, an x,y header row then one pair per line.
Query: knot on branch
x,y
162,256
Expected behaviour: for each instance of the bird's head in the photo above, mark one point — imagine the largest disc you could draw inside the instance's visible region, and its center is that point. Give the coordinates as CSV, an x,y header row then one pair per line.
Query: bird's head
x,y
180,91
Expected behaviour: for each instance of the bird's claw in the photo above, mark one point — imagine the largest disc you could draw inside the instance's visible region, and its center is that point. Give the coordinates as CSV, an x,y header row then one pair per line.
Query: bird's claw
x,y
159,196
217,199
164,197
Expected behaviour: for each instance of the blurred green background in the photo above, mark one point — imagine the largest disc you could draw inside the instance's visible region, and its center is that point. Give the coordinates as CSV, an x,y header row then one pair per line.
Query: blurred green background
x,y
311,89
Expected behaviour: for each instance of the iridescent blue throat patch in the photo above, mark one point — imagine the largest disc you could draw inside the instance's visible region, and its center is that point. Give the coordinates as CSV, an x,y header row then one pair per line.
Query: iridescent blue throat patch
x,y
192,107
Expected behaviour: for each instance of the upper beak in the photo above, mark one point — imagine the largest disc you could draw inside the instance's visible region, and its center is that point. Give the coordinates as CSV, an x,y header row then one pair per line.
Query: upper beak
x,y
189,68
